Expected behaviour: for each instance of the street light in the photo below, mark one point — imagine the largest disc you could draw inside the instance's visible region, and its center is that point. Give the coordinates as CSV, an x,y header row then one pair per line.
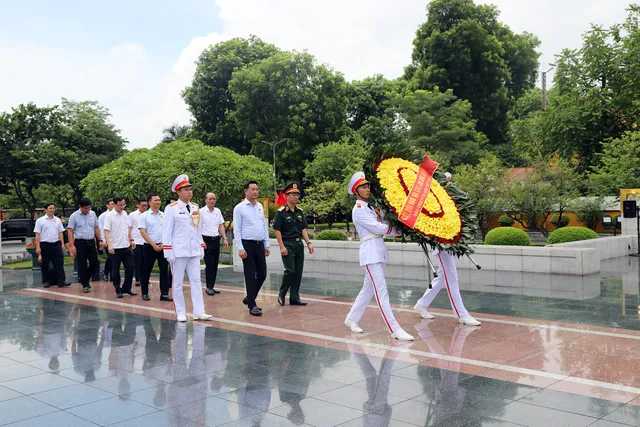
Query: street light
x,y
274,145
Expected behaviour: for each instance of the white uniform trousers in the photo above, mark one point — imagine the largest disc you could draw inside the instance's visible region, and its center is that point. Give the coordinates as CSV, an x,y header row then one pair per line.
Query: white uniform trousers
x,y
192,266
375,285
447,277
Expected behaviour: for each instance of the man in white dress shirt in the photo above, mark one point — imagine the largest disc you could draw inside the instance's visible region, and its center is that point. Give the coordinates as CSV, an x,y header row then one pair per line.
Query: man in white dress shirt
x,y
107,264
50,246
134,234
183,248
116,233
373,256
212,232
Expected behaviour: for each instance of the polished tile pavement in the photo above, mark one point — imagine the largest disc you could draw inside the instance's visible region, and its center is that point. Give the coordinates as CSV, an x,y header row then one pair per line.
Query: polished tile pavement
x,y
566,355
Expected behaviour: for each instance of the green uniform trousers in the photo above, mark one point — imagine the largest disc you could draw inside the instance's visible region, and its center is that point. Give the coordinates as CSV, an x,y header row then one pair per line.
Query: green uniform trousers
x,y
293,265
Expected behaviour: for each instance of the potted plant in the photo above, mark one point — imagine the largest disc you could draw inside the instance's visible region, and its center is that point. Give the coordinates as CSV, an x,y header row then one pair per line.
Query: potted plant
x,y
31,248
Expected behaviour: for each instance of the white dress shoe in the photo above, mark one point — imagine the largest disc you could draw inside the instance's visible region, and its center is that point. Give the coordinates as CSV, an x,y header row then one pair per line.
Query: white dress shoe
x,y
182,317
203,316
469,320
353,326
401,335
423,312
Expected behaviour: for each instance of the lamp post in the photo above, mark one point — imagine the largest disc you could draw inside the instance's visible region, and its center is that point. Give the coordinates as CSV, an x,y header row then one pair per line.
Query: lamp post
x,y
273,146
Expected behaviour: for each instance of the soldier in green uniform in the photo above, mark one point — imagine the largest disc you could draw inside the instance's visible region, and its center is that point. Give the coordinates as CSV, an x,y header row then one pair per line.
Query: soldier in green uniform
x,y
290,226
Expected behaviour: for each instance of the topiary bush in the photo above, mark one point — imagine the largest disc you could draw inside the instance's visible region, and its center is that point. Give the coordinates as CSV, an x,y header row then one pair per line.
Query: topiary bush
x,y
507,236
559,222
506,221
332,235
571,234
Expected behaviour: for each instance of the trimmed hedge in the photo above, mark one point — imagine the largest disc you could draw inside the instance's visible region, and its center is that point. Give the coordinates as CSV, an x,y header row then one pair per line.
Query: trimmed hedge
x,y
506,221
332,235
507,236
571,234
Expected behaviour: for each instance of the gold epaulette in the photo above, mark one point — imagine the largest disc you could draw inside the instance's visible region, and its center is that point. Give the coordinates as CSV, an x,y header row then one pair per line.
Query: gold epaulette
x,y
281,209
193,204
173,203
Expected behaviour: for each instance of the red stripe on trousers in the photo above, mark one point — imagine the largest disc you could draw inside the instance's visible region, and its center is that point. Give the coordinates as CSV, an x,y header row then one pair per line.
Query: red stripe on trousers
x,y
375,291
446,282
174,302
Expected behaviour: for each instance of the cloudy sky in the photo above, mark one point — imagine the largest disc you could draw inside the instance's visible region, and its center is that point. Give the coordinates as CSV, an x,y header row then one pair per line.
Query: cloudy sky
x,y
135,57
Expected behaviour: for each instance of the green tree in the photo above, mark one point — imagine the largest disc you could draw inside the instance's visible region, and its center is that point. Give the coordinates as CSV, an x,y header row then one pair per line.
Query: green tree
x,y
596,91
442,125
175,132
209,98
589,210
336,161
326,200
289,96
216,169
463,46
618,166
91,139
62,195
485,184
30,151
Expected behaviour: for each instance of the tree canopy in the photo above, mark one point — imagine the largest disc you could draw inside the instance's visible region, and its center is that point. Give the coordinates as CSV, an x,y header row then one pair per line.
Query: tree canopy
x,y
215,169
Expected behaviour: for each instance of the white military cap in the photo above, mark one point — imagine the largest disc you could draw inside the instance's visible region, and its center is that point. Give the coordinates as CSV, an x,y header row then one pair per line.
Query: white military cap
x,y
180,182
447,175
356,181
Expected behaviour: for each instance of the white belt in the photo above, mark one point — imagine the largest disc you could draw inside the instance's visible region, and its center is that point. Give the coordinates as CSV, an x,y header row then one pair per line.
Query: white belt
x,y
371,236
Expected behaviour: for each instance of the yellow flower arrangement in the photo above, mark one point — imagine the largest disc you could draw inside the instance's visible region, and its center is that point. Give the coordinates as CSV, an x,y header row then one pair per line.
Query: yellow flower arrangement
x,y
439,218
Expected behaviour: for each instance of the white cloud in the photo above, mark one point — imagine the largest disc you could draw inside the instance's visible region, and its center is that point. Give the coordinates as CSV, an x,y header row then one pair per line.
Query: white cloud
x,y
356,37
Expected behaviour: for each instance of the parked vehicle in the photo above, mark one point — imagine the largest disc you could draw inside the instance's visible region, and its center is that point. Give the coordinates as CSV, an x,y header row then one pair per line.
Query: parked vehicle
x,y
16,229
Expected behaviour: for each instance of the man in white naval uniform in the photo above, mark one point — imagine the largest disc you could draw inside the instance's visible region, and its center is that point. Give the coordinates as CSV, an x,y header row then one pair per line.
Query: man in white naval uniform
x,y
373,256
447,277
183,248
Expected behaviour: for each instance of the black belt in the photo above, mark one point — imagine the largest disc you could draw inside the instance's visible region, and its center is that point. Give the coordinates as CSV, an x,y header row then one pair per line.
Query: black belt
x,y
149,244
210,237
292,239
85,240
257,242
50,243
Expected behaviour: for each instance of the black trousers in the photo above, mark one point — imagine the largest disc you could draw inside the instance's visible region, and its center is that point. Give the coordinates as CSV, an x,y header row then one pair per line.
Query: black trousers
x,y
211,259
107,263
52,253
86,252
137,263
149,257
122,256
255,269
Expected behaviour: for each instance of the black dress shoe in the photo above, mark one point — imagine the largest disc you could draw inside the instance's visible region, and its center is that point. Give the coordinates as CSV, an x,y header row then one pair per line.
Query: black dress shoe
x,y
119,295
86,289
137,284
165,298
66,285
145,297
245,302
281,300
105,277
255,311
215,291
210,292
297,303
133,294
45,285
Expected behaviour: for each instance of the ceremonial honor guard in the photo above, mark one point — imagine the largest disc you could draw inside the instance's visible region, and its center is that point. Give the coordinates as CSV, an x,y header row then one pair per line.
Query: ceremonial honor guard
x,y
373,256
447,277
183,248
290,226
150,225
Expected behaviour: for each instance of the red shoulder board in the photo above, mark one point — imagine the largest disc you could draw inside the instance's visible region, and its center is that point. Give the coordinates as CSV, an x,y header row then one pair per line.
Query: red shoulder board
x,y
358,206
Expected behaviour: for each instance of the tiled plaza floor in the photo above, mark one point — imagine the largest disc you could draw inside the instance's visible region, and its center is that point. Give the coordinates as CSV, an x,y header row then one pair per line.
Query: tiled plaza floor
x,y
552,351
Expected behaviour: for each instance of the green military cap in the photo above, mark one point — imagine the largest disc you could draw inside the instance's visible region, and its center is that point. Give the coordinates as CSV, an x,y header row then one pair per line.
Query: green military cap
x,y
293,187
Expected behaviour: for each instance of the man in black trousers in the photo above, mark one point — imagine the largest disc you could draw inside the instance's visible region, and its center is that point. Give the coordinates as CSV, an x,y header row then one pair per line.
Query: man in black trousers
x,y
50,245
212,232
116,232
150,226
252,241
83,228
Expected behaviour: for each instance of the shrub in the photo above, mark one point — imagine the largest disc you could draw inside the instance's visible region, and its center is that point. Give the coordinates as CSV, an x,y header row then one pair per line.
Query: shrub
x,y
272,233
571,234
589,211
331,235
560,222
506,221
507,236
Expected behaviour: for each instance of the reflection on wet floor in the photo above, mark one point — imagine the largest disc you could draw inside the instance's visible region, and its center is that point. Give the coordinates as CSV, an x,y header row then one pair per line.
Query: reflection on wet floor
x,y
67,362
